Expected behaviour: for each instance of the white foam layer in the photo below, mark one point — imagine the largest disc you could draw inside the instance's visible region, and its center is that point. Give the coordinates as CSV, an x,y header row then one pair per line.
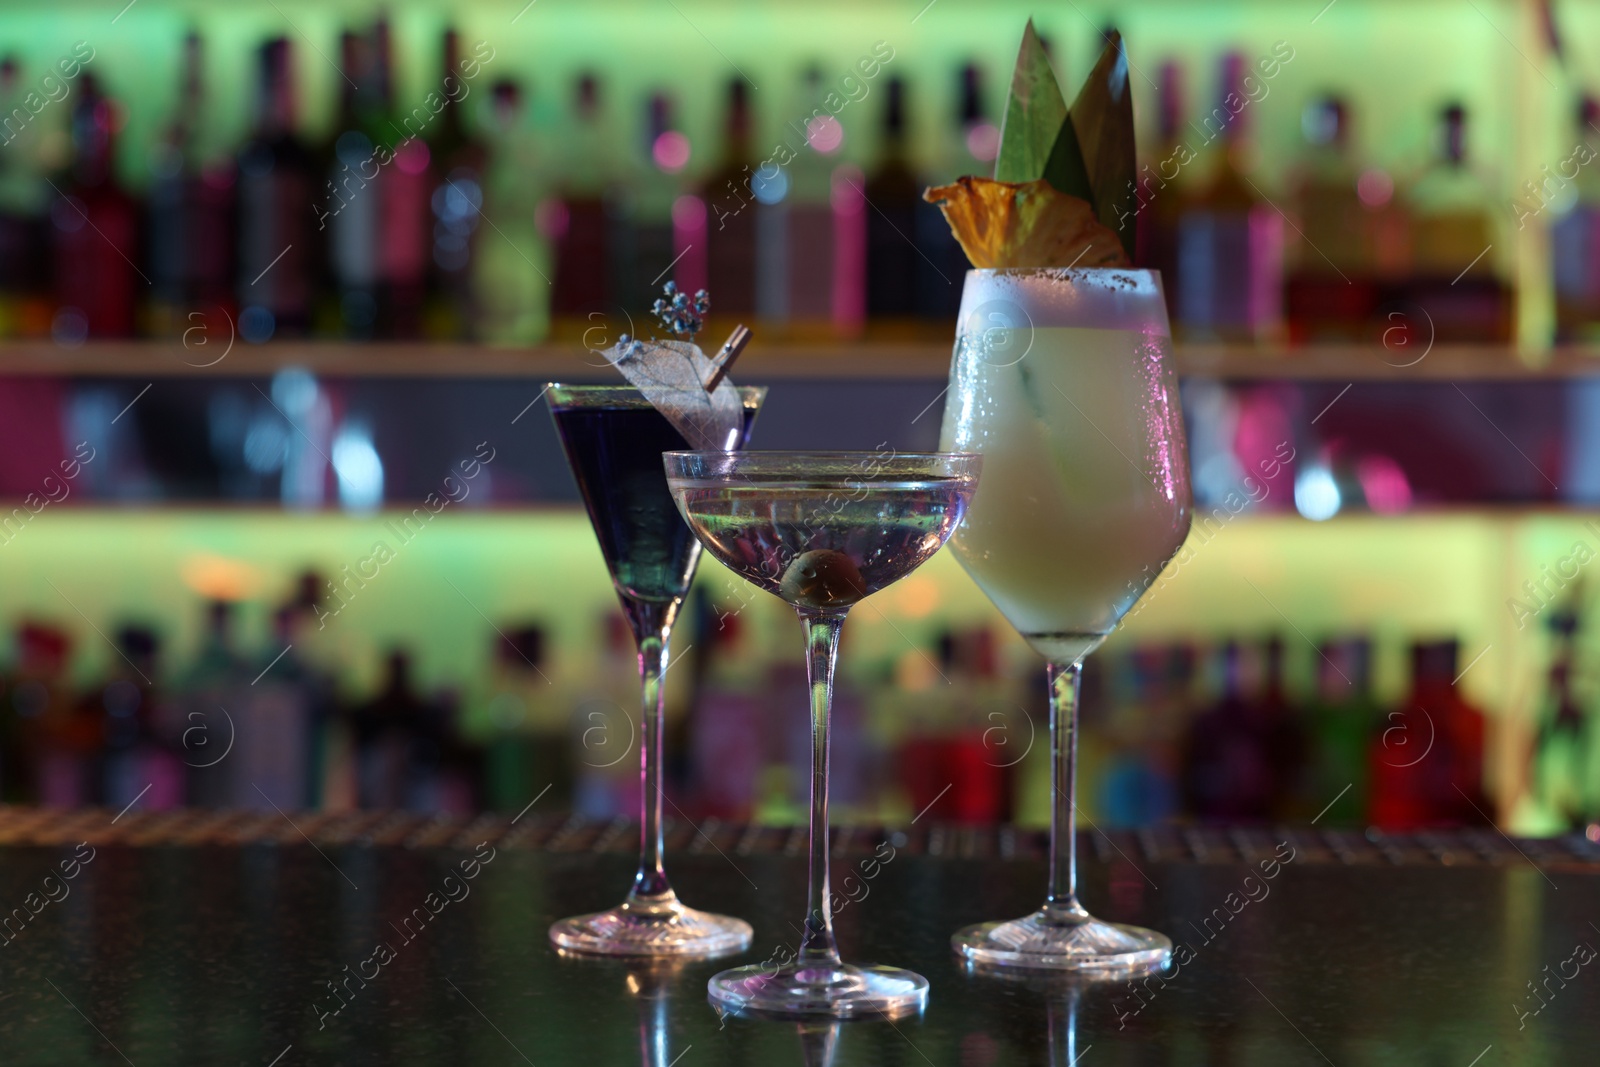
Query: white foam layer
x,y
1099,298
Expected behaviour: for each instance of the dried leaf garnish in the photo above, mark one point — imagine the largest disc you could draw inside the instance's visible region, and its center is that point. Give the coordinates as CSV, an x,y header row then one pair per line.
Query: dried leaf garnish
x,y
1025,224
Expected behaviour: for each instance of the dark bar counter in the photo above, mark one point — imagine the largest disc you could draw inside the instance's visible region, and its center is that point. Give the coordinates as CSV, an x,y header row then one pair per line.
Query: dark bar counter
x,y
266,939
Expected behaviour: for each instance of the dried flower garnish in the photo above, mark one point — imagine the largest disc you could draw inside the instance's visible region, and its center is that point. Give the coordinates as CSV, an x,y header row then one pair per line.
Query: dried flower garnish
x,y
679,314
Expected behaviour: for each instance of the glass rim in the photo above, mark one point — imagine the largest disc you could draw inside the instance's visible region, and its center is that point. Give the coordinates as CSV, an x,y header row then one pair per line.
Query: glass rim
x,y
819,453
1062,271
623,395
703,465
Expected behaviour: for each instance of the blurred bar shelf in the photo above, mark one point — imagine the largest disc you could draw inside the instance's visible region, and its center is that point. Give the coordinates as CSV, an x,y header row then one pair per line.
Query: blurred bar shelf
x,y
567,833
776,362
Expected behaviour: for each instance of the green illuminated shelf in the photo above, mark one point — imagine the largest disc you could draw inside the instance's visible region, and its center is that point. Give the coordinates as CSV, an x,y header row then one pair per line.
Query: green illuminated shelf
x,y
877,361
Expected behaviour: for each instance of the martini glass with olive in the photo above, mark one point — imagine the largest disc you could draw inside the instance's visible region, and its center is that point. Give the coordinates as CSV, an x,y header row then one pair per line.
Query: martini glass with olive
x,y
822,531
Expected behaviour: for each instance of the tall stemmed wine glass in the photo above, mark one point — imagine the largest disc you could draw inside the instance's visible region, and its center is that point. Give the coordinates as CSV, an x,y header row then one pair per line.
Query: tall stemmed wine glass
x,y
822,531
613,439
1063,380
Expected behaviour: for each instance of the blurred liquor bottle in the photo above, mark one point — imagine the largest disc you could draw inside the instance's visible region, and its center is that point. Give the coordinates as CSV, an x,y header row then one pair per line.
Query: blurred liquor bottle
x,y
925,757
18,732
807,237
1575,232
1098,692
771,186
1563,788
205,723
279,182
982,748
459,787
405,194
284,708
26,303
1230,240
347,204
1176,669
1226,773
191,221
826,242
457,161
96,228
901,686
1117,715
1160,186
604,731
893,264
386,730
965,736
1340,721
585,217
446,771
728,211
729,742
969,146
456,165
1456,275
1138,785
1330,291
511,273
316,677
524,726
850,759
848,205
1281,731
1246,753
1427,760
656,203
39,763
136,763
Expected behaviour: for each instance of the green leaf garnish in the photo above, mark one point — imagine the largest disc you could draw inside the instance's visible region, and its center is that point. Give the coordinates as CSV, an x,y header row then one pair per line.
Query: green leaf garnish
x,y
1102,118
1087,151
1066,169
1035,110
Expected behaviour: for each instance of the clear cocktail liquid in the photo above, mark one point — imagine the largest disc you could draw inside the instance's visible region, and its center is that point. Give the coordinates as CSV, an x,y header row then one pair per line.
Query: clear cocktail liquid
x,y
825,546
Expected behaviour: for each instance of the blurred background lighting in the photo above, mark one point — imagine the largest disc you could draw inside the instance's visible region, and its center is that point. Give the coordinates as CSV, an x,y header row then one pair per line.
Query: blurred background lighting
x,y
1316,494
359,468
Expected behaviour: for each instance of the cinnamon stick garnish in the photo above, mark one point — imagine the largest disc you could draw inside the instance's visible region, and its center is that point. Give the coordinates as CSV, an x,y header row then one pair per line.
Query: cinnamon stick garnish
x,y
731,349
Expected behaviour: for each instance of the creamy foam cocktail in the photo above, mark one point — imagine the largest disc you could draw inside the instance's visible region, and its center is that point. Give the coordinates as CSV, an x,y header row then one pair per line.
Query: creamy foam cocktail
x,y
1063,381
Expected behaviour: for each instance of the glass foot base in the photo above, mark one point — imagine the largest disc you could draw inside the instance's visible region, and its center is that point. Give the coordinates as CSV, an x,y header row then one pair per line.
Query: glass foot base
x,y
644,928
836,990
1045,943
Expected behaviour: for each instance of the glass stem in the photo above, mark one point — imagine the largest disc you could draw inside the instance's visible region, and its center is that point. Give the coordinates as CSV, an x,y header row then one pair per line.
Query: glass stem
x,y
653,1030
1062,904
822,650
652,628
1061,1012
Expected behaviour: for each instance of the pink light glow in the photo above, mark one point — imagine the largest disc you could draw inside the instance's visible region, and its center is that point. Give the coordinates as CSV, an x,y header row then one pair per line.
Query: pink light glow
x,y
825,134
412,157
983,141
1384,484
671,151
1374,187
